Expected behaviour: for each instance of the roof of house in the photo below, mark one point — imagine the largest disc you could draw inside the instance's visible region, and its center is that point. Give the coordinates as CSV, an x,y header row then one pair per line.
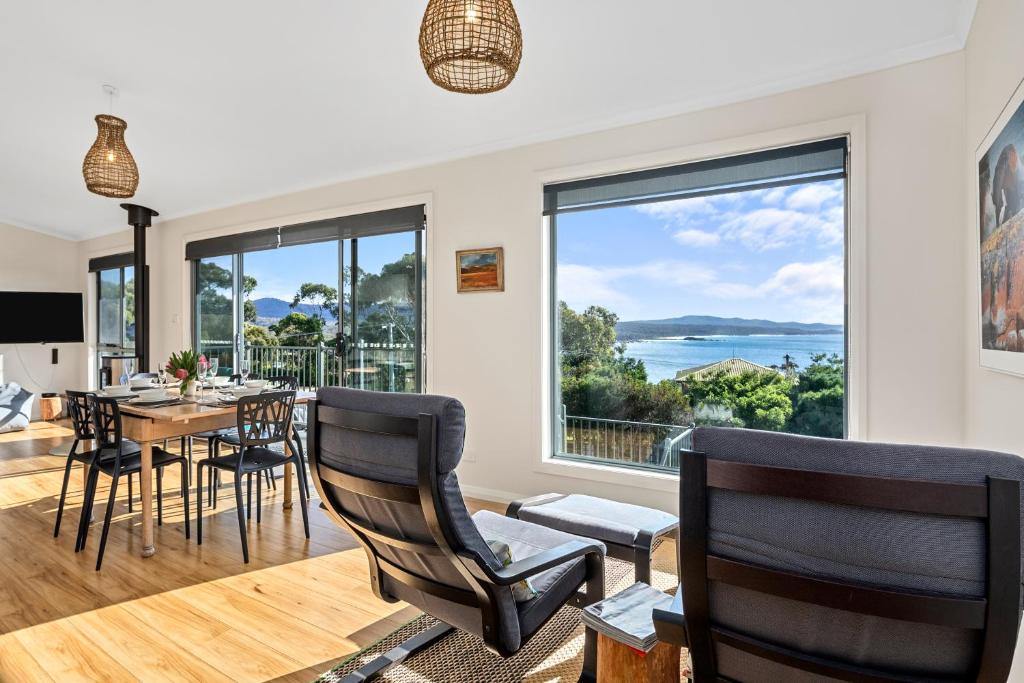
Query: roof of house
x,y
730,366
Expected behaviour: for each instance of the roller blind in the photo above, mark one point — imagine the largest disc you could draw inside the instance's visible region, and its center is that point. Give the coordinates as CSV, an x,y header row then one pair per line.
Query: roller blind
x,y
112,261
346,227
821,160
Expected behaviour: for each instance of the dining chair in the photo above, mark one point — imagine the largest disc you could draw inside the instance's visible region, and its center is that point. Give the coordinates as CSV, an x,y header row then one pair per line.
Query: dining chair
x,y
211,437
81,424
114,457
263,420
155,375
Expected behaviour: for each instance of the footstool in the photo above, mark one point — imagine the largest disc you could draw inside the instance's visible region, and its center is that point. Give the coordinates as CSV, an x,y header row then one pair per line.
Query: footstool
x,y
630,532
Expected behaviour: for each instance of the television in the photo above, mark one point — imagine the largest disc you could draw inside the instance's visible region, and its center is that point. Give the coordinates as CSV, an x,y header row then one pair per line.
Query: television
x,y
41,317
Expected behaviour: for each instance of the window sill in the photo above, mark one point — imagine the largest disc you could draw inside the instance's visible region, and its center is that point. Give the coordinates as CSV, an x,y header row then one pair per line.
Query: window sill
x,y
650,480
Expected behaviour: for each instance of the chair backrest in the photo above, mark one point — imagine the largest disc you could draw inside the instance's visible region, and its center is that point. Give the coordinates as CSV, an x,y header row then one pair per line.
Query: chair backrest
x,y
265,418
106,427
803,557
384,466
283,382
78,411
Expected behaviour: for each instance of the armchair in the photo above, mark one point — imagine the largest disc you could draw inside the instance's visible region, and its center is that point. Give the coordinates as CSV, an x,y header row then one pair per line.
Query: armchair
x,y
384,466
817,559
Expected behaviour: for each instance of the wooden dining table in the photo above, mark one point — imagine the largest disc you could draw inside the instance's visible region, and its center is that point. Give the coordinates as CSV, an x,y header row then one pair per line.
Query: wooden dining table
x,y
148,426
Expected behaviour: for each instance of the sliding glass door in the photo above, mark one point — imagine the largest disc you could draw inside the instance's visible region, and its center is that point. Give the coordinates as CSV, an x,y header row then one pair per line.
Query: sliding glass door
x,y
334,303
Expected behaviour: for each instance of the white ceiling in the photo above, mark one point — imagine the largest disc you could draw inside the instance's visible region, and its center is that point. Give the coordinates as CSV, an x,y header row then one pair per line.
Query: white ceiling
x,y
236,100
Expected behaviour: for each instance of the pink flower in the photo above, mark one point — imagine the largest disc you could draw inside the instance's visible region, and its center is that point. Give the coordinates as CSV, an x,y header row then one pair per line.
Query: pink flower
x,y
202,358
181,373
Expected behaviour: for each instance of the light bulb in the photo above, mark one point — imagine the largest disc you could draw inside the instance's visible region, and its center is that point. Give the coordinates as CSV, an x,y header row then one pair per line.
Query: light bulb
x,y
110,155
472,16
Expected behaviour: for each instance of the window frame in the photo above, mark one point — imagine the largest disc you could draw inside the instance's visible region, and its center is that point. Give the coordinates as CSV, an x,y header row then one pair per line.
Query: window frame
x,y
122,307
854,129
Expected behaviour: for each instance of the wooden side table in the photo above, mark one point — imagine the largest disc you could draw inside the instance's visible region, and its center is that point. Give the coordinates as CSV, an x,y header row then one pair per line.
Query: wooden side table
x,y
617,662
50,408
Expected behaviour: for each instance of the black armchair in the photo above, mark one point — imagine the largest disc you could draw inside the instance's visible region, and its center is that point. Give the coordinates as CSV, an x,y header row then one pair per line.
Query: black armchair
x,y
384,467
821,559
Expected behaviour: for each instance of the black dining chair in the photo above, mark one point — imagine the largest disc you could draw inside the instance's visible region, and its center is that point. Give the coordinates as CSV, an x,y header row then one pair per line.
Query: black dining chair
x,y
114,458
263,420
81,423
212,437
230,436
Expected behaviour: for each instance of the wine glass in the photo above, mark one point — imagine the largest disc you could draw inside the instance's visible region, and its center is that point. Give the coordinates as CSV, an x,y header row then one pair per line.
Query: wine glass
x,y
202,368
127,370
243,370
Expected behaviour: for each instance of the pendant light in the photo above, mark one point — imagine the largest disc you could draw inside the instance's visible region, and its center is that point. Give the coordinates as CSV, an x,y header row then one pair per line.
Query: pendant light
x,y
471,46
109,169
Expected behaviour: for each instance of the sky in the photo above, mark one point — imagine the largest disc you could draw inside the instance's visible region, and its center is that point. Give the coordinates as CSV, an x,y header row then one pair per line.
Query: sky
x,y
280,272
775,254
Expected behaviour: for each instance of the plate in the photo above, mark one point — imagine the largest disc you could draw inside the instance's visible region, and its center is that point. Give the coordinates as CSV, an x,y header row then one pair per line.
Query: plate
x,y
139,401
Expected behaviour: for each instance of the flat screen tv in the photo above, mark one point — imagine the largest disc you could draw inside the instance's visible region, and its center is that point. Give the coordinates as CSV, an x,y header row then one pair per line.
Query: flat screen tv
x,y
41,317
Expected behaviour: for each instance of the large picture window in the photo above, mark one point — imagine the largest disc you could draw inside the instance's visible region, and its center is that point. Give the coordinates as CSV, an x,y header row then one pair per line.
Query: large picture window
x,y
707,293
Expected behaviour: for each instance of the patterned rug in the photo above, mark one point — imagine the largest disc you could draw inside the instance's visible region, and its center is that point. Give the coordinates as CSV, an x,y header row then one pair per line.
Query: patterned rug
x,y
553,654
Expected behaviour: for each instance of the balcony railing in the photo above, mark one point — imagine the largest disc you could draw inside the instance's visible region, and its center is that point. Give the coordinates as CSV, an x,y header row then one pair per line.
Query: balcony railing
x,y
377,367
620,442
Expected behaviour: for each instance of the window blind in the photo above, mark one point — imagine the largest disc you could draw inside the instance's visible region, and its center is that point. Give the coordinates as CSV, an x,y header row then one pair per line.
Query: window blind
x,y
346,227
112,261
820,160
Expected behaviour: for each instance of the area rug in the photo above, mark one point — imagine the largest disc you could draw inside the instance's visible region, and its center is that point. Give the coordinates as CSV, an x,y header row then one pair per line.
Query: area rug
x,y
554,654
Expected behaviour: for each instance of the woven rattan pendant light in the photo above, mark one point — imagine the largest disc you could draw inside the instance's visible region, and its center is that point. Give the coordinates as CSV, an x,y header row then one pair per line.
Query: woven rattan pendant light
x,y
109,168
471,46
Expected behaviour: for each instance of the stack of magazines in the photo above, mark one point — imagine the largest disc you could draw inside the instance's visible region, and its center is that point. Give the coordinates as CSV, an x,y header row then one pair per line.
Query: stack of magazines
x,y
626,616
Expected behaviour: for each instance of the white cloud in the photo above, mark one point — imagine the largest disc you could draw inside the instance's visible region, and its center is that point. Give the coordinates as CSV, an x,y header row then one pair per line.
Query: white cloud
x,y
812,197
684,211
581,286
689,237
812,291
773,228
774,196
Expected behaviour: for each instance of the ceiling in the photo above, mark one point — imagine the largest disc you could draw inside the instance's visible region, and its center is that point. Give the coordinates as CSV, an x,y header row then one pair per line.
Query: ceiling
x,y
237,100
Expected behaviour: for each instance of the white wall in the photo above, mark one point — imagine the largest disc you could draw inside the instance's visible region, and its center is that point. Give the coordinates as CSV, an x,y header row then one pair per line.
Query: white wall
x,y
488,349
30,261
994,67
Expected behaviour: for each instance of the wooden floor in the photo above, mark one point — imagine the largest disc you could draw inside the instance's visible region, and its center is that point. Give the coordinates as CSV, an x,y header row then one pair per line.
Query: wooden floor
x,y
188,613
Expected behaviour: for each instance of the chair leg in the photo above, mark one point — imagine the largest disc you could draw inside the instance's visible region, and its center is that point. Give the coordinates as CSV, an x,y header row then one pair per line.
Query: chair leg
x,y
259,498
63,494
248,496
400,653
159,496
106,519
305,513
184,494
589,672
199,502
130,490
86,513
241,518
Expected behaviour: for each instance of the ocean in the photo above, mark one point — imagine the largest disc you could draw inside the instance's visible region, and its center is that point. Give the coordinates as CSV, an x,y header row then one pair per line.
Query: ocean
x,y
664,357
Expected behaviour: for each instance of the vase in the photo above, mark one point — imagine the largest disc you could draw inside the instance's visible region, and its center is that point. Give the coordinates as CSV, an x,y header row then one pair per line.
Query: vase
x,y
190,388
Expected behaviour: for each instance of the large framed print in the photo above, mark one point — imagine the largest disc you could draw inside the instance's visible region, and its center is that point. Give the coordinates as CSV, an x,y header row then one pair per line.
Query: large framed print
x,y
1000,233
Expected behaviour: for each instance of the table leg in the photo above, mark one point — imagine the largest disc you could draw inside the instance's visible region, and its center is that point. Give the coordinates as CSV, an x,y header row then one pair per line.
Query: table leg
x,y
148,547
288,469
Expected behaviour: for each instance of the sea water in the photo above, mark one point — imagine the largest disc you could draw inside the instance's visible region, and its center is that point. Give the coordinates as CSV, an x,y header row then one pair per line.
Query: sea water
x,y
663,358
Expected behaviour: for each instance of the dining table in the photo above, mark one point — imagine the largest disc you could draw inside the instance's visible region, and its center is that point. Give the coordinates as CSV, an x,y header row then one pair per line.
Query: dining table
x,y
152,425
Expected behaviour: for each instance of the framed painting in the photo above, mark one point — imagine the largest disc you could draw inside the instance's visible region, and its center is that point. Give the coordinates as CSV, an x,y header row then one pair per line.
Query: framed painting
x,y
1000,199
480,270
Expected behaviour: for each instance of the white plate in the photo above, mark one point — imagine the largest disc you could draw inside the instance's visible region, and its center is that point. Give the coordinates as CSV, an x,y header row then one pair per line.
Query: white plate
x,y
115,394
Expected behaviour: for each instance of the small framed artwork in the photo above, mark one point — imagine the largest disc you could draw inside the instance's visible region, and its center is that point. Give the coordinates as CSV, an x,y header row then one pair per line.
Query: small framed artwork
x,y
480,270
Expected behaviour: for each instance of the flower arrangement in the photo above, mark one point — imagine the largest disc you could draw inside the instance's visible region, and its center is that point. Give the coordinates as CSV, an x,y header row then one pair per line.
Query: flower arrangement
x,y
185,366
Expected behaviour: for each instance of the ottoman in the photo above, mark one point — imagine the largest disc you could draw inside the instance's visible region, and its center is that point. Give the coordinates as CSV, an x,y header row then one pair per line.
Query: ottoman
x,y
630,532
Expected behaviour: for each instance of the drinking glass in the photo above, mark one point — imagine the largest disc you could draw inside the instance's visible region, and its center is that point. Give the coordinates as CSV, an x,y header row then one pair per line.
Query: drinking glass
x,y
202,368
243,370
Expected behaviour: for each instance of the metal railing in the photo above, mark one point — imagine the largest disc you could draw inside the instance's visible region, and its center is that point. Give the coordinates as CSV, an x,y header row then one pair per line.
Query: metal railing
x,y
642,444
377,367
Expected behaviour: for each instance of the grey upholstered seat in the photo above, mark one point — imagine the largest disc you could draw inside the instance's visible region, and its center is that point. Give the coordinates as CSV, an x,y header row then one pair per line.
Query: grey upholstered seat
x,y
401,534
600,518
896,550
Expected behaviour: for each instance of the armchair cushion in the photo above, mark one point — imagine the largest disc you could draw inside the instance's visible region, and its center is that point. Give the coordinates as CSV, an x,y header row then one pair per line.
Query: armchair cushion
x,y
15,407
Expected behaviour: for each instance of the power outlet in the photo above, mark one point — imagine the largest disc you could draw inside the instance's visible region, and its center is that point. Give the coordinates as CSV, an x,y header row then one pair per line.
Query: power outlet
x,y
53,356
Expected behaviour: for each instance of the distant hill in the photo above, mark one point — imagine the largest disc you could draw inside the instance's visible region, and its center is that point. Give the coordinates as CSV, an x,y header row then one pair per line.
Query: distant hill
x,y
705,325
270,310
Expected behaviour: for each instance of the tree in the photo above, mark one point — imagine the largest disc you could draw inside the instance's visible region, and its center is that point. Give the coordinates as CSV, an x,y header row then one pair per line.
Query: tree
x,y
323,297
817,398
256,335
248,307
299,329
390,297
599,381
758,400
